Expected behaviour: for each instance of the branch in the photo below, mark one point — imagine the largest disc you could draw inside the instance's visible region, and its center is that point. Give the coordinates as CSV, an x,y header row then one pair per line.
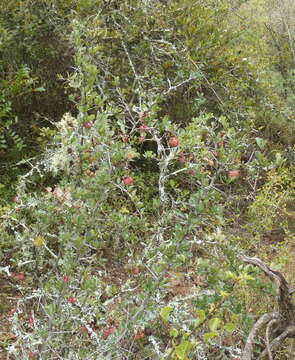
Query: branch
x,y
263,320
267,337
277,342
285,318
287,309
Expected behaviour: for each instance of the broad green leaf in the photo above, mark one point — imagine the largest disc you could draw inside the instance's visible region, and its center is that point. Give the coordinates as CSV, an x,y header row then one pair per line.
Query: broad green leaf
x,y
214,324
210,335
165,312
201,316
230,327
183,349
261,142
173,332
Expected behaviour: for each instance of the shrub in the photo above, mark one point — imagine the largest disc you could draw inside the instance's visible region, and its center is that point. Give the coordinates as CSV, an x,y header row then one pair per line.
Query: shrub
x,y
124,246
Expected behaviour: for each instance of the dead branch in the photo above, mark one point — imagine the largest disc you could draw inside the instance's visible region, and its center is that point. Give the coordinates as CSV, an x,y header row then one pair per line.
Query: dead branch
x,y
267,337
263,320
277,342
284,318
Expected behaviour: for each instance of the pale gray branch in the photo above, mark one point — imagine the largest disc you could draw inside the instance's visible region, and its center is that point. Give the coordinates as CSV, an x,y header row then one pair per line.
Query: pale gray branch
x,y
263,320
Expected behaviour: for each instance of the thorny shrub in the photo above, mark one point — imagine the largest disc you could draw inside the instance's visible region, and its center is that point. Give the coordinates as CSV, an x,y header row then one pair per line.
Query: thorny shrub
x,y
123,246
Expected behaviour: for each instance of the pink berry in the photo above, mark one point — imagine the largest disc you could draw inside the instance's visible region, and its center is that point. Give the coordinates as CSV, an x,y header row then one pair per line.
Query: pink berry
x,y
88,124
72,300
234,174
136,271
144,127
108,331
19,276
173,142
128,180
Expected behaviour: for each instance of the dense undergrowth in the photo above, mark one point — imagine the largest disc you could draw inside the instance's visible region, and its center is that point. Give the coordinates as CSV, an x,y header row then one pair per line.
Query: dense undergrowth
x,y
152,143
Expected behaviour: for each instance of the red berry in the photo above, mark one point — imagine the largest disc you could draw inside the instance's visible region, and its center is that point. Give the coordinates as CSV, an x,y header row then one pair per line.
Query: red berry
x,y
11,312
143,127
88,124
139,335
173,142
72,300
191,172
136,271
182,157
125,139
84,329
19,276
32,355
234,174
209,162
66,279
108,331
128,180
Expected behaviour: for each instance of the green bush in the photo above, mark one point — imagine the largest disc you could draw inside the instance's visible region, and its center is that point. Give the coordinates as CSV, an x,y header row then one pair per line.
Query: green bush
x,y
122,224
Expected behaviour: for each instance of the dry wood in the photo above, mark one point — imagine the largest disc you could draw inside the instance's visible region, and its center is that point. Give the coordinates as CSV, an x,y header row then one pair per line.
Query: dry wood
x,y
284,318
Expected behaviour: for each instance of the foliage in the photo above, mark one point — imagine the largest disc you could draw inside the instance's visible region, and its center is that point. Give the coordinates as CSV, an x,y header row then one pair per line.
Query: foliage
x,y
33,51
122,227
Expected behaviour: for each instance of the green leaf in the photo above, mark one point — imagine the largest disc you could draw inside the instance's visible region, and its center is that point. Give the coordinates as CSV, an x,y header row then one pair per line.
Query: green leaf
x,y
230,327
210,335
214,324
173,333
183,349
201,317
165,312
149,285
261,142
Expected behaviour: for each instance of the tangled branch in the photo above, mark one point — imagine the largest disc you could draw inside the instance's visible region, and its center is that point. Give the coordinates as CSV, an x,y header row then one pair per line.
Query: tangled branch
x,y
284,319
